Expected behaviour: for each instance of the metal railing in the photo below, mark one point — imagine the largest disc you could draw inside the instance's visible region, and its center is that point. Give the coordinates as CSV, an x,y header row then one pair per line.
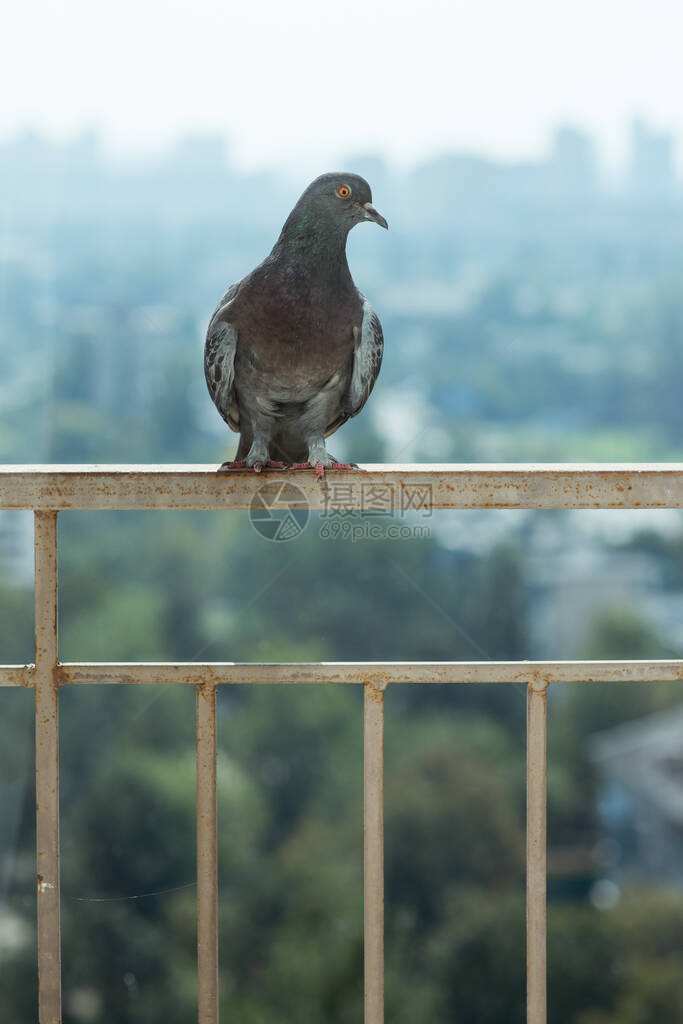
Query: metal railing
x,y
46,490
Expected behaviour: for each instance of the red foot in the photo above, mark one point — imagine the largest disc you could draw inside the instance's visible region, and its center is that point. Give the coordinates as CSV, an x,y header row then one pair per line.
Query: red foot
x,y
232,465
320,469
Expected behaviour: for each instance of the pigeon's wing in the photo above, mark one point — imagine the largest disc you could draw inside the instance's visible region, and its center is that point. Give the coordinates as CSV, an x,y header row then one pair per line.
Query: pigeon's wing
x,y
367,360
219,361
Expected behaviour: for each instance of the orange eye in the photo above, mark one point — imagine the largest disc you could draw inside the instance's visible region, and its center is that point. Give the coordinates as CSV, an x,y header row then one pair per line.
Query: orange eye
x,y
343,191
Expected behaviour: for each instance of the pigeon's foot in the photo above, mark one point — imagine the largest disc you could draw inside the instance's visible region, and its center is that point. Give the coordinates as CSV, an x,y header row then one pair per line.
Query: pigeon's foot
x,y
336,464
319,457
320,468
232,465
321,465
257,459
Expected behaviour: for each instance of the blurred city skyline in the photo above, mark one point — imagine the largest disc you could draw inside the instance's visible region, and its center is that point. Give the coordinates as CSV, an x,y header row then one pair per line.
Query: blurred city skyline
x,y
646,150
304,84
572,163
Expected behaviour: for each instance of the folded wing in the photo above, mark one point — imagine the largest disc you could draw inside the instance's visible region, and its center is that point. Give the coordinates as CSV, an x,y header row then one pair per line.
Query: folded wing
x,y
367,360
219,361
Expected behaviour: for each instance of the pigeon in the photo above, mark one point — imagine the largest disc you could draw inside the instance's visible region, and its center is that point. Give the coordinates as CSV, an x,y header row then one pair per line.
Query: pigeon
x,y
293,350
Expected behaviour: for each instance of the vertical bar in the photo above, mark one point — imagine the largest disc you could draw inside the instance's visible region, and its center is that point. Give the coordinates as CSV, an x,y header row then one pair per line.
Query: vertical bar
x,y
373,787
536,841
207,855
47,769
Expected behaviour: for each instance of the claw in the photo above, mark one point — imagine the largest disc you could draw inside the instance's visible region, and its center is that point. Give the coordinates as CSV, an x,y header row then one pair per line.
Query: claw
x,y
258,467
232,465
319,470
301,465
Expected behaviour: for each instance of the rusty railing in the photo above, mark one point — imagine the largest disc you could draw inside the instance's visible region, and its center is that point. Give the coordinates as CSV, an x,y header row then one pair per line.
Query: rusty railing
x,y
46,490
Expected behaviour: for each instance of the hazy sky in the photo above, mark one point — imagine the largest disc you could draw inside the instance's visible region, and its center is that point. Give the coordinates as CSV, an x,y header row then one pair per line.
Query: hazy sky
x,y
305,80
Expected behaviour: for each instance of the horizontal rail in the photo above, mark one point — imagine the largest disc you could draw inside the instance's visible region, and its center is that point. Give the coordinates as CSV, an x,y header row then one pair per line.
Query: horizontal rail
x,y
455,486
377,673
17,675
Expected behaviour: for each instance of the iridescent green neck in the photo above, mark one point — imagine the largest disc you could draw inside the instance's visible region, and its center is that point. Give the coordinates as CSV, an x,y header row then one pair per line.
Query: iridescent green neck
x,y
310,234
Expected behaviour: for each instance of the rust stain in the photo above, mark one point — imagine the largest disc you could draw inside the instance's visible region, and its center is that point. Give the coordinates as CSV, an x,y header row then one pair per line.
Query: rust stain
x,y
375,693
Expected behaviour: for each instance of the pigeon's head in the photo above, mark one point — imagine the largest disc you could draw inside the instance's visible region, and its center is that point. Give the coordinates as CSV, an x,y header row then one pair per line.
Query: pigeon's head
x,y
345,197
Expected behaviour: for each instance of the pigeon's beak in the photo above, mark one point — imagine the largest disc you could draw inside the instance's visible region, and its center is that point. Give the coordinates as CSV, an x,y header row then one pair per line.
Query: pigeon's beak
x,y
372,214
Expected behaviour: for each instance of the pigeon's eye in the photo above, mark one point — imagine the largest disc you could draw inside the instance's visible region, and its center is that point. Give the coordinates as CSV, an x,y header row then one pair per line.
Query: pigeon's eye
x,y
343,191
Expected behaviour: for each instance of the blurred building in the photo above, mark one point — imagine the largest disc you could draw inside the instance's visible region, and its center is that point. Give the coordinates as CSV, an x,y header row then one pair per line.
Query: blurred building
x,y
16,547
640,798
573,577
652,170
573,162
